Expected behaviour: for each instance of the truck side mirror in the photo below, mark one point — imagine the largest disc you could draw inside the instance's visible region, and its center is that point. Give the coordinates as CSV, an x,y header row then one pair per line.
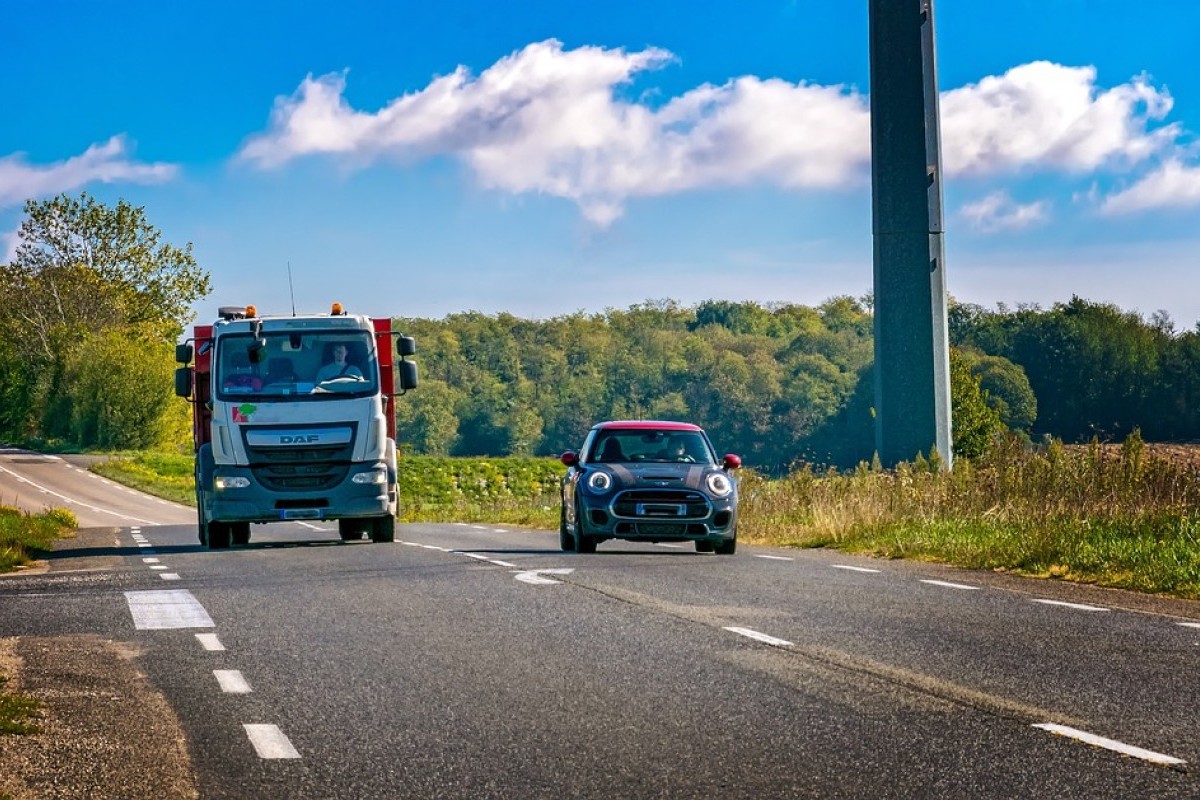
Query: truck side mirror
x,y
183,382
183,353
408,375
406,346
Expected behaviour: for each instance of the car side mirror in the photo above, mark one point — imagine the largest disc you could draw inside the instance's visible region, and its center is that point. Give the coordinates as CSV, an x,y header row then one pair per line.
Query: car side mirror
x,y
731,461
570,458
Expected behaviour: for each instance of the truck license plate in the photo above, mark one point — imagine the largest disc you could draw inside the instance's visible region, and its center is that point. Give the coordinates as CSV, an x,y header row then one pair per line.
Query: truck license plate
x,y
300,513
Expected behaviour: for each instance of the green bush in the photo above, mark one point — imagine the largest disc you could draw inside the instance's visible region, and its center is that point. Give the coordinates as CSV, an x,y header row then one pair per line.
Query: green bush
x,y
23,534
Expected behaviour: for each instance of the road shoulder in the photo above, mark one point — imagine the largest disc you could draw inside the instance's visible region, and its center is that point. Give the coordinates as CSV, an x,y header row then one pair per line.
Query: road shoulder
x,y
104,731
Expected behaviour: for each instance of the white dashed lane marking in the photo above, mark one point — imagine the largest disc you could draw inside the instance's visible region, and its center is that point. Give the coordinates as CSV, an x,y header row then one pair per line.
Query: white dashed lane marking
x,y
774,558
1076,606
156,610
948,585
169,576
232,681
210,642
853,569
1112,744
269,742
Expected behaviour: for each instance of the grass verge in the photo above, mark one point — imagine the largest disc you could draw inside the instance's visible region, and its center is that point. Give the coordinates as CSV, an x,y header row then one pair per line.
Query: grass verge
x,y
23,534
16,711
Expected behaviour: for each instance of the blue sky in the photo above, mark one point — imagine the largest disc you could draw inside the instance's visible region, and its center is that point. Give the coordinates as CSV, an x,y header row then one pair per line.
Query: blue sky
x,y
542,158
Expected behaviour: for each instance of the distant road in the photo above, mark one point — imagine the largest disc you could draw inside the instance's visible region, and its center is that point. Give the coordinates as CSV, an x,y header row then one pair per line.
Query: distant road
x,y
35,482
479,661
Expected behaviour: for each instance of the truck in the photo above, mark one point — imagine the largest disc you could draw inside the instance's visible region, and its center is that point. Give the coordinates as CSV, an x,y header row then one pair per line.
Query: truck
x,y
293,420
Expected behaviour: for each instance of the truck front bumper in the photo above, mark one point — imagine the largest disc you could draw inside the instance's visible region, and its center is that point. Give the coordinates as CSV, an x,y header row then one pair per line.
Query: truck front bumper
x,y
238,496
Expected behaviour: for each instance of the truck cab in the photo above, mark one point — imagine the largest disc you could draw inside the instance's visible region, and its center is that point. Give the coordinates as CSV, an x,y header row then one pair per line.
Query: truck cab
x,y
292,417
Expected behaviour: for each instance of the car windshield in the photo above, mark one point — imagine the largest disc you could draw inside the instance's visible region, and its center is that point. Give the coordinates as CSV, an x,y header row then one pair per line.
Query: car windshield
x,y
309,365
663,446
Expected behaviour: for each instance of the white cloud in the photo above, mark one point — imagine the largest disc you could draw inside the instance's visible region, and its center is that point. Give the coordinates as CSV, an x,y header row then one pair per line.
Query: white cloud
x,y
1050,116
106,163
1172,184
549,120
999,212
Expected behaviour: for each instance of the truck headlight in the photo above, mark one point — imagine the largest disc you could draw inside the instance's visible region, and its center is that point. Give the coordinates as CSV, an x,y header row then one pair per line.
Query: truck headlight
x,y
376,476
719,484
222,482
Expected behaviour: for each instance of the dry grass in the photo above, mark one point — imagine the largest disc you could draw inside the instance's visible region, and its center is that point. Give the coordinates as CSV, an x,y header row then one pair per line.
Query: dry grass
x,y
1125,515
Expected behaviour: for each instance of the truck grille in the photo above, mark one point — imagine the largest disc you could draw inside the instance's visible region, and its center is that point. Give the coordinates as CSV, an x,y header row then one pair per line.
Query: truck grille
x,y
299,468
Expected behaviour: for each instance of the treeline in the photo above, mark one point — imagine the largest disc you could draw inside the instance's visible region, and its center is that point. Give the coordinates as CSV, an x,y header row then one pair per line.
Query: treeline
x,y
90,308
783,384
778,384
93,302
1097,371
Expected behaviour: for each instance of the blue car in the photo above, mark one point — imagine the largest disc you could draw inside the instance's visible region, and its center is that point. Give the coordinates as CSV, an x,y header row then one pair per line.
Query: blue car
x,y
648,481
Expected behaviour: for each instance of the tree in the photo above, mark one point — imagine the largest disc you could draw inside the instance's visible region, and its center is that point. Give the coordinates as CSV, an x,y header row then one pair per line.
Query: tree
x,y
975,423
81,266
83,269
1006,388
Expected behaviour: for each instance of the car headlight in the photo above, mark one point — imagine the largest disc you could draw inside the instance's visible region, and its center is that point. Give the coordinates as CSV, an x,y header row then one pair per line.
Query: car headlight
x,y
719,484
599,481
222,482
375,476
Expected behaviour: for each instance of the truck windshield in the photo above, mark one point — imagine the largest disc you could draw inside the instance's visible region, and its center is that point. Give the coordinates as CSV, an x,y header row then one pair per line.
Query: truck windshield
x,y
309,365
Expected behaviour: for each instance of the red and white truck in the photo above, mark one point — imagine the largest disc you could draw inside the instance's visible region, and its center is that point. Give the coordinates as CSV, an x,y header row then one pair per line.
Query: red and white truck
x,y
292,418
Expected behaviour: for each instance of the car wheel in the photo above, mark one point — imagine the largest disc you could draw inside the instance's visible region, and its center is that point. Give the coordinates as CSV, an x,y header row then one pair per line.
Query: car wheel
x,y
727,547
583,542
566,542
704,546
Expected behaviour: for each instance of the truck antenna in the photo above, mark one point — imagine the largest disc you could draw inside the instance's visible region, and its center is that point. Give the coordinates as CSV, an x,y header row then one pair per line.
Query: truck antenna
x,y
291,288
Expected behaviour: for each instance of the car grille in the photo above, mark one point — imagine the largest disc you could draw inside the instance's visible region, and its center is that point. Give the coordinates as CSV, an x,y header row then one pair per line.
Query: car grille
x,y
643,503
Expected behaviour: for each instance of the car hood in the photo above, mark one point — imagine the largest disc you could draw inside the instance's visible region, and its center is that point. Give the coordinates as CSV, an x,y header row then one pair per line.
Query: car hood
x,y
658,475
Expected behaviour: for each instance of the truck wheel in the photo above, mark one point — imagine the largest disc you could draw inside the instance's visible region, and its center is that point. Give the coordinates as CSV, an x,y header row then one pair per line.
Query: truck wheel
x,y
351,530
219,534
201,522
383,529
240,532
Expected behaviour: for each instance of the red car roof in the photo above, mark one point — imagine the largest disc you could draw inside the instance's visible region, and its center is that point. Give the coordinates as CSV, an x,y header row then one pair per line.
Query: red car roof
x,y
642,424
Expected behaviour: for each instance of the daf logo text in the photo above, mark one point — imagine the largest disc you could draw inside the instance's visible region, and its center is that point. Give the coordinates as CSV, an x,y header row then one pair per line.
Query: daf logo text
x,y
310,438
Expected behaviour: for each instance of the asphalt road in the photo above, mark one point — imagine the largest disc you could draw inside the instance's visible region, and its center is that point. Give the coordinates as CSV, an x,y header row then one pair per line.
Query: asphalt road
x,y
469,661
